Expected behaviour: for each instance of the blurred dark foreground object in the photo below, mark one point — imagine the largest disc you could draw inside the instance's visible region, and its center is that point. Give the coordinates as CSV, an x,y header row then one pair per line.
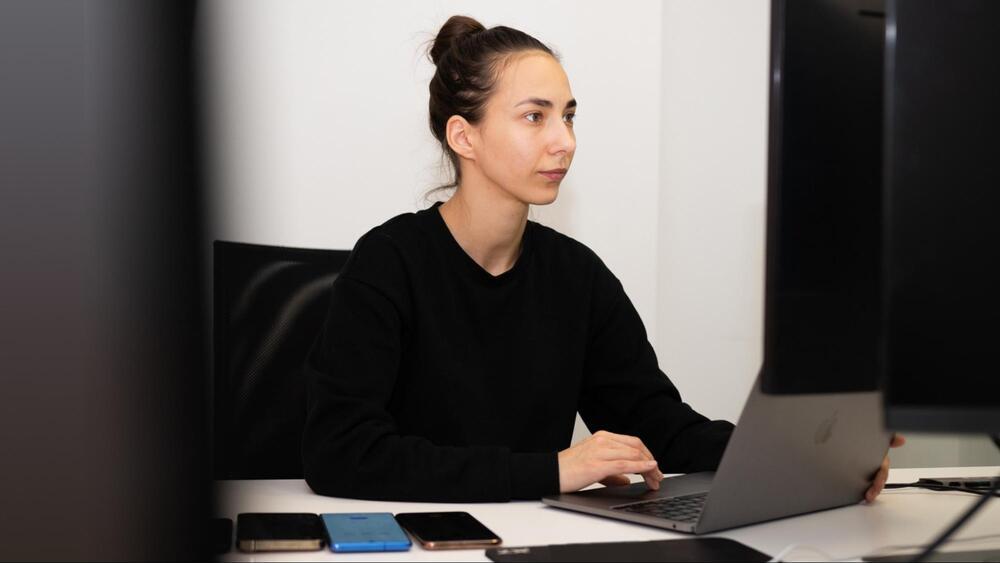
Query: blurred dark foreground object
x,y
222,535
103,403
699,549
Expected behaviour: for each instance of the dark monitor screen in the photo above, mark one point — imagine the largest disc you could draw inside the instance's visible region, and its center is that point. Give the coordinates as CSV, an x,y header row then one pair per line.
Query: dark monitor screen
x,y
942,215
822,304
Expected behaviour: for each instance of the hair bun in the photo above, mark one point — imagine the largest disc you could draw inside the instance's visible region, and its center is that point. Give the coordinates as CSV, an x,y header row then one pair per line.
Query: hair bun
x,y
454,29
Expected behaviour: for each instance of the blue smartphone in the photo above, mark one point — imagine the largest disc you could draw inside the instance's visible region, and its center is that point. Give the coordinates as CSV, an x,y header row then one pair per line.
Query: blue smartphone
x,y
369,531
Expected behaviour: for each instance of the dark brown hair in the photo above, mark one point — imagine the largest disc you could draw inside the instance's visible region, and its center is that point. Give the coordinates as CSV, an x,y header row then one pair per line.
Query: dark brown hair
x,y
469,59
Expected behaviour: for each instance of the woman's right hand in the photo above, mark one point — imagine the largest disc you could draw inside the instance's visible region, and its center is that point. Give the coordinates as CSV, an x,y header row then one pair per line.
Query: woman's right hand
x,y
606,458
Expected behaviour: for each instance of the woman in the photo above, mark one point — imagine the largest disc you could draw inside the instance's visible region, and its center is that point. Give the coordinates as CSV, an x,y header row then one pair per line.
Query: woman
x,y
463,339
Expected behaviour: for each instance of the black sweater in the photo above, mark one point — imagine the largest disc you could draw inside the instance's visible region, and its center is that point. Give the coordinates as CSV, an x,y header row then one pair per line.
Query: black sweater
x,y
435,381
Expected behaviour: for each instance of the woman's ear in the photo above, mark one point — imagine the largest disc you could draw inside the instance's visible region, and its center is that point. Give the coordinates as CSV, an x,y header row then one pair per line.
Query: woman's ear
x,y
460,135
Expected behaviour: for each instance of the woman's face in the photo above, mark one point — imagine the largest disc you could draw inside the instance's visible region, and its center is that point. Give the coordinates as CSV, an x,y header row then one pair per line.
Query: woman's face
x,y
526,140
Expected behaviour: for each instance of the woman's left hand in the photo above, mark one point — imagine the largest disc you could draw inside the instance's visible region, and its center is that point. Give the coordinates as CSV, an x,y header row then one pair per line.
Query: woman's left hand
x,y
878,482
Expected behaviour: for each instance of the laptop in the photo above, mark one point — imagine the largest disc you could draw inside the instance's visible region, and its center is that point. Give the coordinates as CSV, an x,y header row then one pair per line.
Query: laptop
x,y
789,455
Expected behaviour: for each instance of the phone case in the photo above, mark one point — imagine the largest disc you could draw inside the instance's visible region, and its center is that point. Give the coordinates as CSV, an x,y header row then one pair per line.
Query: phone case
x,y
279,532
448,530
371,531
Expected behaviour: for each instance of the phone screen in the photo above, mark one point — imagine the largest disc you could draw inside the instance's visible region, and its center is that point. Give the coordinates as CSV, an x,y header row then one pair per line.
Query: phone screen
x,y
447,528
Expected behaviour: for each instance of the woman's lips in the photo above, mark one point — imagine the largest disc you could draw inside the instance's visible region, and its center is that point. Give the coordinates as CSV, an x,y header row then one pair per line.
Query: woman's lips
x,y
554,175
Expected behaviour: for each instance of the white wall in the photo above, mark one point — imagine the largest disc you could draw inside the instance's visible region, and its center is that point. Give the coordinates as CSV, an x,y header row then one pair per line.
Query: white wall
x,y
318,130
712,199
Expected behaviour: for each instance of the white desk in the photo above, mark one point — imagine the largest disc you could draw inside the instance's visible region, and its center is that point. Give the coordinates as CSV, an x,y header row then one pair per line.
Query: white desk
x,y
898,517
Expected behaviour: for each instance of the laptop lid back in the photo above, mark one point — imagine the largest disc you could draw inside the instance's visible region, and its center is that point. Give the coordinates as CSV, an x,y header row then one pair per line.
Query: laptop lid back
x,y
792,454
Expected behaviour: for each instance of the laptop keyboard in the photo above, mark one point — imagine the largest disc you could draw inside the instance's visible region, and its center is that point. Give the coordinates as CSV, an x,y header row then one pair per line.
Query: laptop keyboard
x,y
682,509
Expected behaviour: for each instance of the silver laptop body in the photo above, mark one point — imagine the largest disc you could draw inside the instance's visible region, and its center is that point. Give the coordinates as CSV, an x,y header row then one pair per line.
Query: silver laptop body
x,y
789,454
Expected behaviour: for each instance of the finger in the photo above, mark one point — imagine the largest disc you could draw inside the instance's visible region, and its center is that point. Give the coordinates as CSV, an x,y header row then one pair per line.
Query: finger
x,y
878,483
634,442
652,479
616,481
656,471
875,488
883,476
620,451
883,470
897,440
623,466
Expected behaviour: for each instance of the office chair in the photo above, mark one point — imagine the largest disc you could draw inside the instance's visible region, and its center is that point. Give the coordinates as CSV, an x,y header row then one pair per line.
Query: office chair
x,y
270,304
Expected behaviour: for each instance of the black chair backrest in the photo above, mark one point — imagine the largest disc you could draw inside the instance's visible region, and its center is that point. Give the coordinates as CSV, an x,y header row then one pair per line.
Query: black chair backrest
x,y
270,304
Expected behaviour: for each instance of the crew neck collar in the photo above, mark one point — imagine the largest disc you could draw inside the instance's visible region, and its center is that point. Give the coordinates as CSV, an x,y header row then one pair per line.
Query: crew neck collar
x,y
469,263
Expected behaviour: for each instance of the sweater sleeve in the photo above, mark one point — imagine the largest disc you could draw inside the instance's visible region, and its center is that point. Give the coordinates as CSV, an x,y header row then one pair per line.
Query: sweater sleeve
x,y
351,445
625,391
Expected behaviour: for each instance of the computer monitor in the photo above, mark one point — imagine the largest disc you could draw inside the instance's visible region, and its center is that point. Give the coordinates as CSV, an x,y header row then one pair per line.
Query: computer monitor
x,y
942,216
823,290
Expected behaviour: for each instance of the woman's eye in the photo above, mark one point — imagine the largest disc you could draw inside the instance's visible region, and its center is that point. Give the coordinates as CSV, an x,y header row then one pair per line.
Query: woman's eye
x,y
569,117
534,117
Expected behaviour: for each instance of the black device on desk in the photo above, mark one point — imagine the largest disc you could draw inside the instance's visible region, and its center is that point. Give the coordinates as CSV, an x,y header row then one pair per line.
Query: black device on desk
x,y
701,549
279,532
447,530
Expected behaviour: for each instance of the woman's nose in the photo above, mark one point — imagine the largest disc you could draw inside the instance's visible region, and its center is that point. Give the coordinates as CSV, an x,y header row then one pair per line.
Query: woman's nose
x,y
564,140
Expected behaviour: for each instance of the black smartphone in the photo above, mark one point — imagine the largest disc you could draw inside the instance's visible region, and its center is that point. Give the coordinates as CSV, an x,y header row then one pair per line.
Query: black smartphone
x,y
447,530
279,532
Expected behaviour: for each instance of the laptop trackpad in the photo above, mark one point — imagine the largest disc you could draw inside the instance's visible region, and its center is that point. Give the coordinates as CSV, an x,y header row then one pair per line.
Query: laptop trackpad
x,y
681,485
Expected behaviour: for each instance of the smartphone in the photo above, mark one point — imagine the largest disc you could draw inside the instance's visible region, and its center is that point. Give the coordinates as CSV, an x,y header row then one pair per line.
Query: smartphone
x,y
447,530
367,531
279,532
